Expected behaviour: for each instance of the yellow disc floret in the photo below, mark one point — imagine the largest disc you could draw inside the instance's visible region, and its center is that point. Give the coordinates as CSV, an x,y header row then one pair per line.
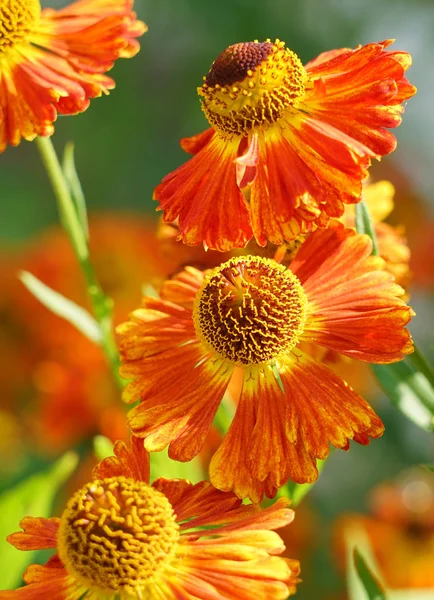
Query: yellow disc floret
x,y
251,84
17,20
250,310
117,534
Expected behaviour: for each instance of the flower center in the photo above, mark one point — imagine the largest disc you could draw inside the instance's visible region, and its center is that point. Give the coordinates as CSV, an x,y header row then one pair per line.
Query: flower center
x,y
251,84
116,534
250,310
17,19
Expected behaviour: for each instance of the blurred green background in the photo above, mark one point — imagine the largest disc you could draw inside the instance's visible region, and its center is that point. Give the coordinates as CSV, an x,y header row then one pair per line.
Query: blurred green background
x,y
126,142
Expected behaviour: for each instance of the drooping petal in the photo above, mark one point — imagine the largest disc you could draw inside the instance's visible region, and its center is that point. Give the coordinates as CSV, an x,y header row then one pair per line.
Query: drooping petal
x,y
178,405
301,182
204,196
278,434
38,534
354,306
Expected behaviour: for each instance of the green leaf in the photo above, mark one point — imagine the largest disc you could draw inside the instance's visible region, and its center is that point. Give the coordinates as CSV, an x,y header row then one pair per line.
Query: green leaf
x,y
297,491
102,447
428,468
365,225
32,497
363,577
163,466
63,307
73,181
409,390
371,585
411,594
225,414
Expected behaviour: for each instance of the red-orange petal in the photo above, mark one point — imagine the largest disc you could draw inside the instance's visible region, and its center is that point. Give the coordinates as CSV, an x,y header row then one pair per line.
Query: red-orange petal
x,y
204,196
303,178
129,460
354,306
180,394
359,93
195,143
201,504
38,533
276,436
55,587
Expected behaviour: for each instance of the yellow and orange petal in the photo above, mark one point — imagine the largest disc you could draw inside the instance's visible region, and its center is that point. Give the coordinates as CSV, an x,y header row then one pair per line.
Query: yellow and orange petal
x,y
172,540
54,61
289,145
250,322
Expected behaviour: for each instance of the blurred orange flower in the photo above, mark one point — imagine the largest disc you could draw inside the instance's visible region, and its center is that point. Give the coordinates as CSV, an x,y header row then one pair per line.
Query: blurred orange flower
x,y
54,378
400,530
121,536
53,61
252,314
299,139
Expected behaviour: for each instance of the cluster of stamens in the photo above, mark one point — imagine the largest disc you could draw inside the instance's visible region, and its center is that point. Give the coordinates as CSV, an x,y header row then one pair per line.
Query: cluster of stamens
x,y
250,310
116,534
251,84
17,19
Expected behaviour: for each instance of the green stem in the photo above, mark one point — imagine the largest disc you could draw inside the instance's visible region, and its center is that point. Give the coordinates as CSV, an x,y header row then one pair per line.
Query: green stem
x,y
364,224
101,305
419,363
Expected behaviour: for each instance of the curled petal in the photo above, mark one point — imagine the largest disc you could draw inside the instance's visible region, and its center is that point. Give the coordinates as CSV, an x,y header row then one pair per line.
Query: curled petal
x,y
130,460
38,534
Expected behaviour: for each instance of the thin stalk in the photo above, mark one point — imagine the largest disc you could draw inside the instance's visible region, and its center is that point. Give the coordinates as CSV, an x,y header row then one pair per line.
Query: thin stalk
x,y
364,224
419,362
101,305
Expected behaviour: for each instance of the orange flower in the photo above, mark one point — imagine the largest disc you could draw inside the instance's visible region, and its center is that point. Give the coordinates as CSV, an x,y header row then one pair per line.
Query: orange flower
x,y
54,378
400,531
53,61
298,140
252,314
120,537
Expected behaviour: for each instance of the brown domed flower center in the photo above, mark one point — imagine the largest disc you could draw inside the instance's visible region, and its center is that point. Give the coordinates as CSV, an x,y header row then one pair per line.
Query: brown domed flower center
x,y
116,534
251,84
249,310
17,19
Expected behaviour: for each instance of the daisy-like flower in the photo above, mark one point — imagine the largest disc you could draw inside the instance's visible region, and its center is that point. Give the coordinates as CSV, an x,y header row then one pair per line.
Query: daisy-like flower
x,y
251,316
120,537
288,145
53,61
